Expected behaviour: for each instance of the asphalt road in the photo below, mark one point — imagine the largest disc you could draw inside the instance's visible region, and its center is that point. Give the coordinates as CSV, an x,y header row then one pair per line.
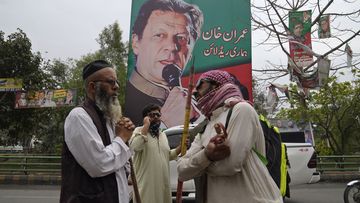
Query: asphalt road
x,y
312,193
29,194
317,193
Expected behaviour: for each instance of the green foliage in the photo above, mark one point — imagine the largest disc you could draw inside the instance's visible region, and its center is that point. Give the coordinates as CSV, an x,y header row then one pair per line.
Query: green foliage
x,y
334,109
44,126
115,51
59,71
322,148
75,73
17,60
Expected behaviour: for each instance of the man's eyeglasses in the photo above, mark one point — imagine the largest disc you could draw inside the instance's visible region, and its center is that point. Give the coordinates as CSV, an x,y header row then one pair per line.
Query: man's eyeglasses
x,y
152,115
110,82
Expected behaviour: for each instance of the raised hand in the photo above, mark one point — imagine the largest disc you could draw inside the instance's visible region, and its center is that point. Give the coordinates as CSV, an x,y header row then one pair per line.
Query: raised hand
x,y
174,108
217,148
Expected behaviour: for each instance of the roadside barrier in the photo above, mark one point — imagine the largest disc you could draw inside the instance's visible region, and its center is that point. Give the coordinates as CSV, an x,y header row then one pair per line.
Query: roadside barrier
x,y
346,163
27,164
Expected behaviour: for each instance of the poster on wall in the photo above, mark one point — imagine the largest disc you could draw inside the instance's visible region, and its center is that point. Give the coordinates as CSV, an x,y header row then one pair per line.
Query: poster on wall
x,y
168,37
45,98
300,35
10,84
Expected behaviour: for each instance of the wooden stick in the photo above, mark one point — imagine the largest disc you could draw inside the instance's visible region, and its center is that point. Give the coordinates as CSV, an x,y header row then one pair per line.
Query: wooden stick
x,y
186,129
134,182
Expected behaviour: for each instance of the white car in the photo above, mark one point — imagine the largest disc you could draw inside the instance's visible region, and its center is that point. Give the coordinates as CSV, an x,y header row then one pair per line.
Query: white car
x,y
302,158
301,153
174,137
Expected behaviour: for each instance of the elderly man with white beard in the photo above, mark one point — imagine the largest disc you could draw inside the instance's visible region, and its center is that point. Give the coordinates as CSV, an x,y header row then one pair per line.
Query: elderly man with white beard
x,y
95,154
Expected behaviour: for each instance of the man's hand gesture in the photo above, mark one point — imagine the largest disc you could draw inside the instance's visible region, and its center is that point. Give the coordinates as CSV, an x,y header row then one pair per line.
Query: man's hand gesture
x,y
217,148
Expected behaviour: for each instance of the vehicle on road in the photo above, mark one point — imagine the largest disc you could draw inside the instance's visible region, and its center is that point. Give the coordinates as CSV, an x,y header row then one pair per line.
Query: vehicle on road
x,y
174,137
352,192
302,158
300,150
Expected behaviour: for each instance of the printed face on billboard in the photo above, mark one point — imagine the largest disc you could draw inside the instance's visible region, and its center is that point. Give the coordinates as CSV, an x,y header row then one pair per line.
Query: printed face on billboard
x,y
165,40
298,28
45,98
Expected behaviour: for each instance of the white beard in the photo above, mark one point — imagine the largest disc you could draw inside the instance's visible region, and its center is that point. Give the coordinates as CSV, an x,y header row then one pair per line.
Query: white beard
x,y
109,105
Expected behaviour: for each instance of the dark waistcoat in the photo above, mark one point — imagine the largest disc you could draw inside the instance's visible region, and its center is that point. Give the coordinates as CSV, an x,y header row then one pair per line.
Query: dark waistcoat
x,y
76,185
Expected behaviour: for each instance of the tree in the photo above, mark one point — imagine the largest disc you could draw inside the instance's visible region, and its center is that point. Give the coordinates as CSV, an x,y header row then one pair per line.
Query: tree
x,y
76,66
335,111
334,123
68,74
115,51
271,19
45,125
259,98
18,61
111,49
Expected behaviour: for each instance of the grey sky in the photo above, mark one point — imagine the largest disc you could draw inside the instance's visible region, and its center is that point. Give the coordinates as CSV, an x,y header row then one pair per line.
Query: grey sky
x,y
68,28
63,28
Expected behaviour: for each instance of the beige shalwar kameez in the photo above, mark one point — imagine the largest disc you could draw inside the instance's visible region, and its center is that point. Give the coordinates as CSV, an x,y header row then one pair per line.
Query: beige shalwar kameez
x,y
151,163
242,177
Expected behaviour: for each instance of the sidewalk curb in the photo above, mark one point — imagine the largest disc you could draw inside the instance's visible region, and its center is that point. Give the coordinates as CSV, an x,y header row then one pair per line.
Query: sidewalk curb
x,y
339,176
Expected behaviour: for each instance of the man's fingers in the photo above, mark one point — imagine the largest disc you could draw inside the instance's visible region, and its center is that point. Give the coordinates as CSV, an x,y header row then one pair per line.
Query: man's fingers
x,y
220,130
217,128
223,130
126,123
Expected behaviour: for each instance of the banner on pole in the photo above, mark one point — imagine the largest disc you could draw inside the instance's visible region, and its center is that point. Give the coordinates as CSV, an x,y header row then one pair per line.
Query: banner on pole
x,y
300,33
324,27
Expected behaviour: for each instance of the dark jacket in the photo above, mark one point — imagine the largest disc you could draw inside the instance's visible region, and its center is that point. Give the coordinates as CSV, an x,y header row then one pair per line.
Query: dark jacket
x,y
76,185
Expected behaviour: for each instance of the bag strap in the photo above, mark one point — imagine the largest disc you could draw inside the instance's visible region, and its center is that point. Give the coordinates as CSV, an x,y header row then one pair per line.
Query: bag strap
x,y
228,117
261,157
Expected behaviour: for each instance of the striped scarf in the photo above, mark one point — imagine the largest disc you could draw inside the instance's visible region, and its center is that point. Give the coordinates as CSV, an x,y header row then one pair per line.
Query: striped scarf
x,y
216,98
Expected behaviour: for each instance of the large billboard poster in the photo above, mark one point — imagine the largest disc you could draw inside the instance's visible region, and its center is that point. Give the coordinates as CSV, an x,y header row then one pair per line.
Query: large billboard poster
x,y
300,35
167,37
45,98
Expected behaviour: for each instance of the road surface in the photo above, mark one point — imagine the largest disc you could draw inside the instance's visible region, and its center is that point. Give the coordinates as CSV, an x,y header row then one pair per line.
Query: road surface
x,y
313,193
